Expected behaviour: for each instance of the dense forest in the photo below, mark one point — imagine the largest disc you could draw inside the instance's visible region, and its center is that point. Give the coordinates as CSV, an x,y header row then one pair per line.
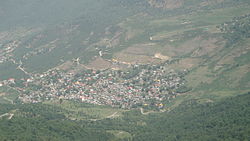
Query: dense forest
x,y
192,120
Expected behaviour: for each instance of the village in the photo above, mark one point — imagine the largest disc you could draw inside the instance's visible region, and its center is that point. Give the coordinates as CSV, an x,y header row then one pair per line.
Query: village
x,y
140,85
6,51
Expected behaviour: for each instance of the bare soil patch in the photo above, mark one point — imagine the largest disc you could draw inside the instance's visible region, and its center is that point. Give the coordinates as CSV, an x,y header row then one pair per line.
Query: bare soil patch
x,y
2,94
187,63
99,64
139,53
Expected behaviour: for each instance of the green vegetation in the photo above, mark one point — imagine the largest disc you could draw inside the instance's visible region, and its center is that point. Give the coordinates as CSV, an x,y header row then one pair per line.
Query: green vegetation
x,y
226,120
8,95
192,120
237,29
9,70
63,36
80,111
44,122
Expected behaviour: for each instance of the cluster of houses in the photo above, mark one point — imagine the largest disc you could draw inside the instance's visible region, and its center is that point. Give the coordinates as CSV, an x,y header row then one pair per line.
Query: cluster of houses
x,y
9,81
140,85
6,50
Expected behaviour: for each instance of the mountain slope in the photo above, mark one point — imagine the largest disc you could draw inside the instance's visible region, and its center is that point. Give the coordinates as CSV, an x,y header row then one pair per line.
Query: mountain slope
x,y
192,120
193,37
154,69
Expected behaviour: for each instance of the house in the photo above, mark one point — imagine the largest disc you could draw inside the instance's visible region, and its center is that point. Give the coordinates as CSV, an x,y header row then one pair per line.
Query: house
x,y
29,80
11,80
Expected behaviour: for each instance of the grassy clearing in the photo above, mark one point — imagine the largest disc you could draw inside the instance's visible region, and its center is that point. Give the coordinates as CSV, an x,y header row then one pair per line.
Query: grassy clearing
x,y
4,101
119,135
218,16
8,95
199,76
81,111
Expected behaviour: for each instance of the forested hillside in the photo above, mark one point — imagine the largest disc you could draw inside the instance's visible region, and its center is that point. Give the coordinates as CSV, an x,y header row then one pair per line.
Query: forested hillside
x,y
192,120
